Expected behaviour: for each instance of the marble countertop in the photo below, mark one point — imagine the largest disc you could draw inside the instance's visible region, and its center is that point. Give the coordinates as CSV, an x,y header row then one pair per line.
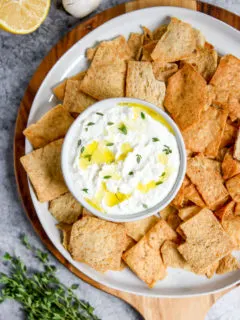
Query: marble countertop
x,y
19,57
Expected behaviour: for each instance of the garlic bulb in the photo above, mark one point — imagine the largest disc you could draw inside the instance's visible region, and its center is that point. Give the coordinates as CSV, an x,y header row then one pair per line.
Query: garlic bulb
x,y
80,8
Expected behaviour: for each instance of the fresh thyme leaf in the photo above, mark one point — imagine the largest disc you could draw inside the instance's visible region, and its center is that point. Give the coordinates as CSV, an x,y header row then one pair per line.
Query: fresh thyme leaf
x,y
155,139
109,144
159,182
90,124
85,190
130,173
41,294
99,113
143,115
167,150
74,286
123,129
79,142
86,129
163,174
82,149
106,177
25,242
139,157
7,256
110,123
144,206
88,156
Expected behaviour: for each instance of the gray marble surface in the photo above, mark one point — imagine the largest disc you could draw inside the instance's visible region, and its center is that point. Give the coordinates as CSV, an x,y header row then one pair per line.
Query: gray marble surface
x,y
19,57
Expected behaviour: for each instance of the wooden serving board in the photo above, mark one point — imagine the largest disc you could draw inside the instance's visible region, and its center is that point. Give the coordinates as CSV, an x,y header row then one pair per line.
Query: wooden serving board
x,y
151,308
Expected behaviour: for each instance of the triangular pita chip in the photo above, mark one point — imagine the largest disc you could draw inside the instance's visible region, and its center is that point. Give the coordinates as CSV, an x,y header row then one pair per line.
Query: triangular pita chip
x,y
137,229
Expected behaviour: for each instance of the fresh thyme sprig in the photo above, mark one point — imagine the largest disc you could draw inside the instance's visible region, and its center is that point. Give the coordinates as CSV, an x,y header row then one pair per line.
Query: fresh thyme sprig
x,y
42,295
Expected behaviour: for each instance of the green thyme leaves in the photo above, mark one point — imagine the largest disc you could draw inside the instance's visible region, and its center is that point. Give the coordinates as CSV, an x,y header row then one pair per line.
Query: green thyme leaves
x,y
82,149
138,157
90,124
107,177
154,139
85,190
167,150
110,123
144,206
143,115
99,113
130,173
109,144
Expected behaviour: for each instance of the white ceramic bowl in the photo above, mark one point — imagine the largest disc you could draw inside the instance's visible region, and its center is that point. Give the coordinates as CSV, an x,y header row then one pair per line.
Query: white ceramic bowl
x,y
71,137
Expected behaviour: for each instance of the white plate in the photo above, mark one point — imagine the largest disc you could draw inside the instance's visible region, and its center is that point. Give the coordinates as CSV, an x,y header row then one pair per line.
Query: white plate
x,y
179,283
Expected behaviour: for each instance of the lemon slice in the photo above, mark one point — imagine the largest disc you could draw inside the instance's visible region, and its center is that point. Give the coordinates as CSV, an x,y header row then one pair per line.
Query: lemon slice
x,y
22,16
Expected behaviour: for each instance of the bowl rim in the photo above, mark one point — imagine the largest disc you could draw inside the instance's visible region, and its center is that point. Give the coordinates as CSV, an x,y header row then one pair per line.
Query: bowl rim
x,y
144,213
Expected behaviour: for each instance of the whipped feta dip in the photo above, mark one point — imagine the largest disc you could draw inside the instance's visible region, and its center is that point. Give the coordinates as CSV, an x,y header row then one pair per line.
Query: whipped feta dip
x,y
123,159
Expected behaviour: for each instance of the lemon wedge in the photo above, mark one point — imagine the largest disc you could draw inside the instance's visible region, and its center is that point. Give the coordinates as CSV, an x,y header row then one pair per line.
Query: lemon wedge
x,y
23,16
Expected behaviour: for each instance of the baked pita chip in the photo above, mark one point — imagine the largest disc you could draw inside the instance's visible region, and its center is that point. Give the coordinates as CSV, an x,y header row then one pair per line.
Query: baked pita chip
x,y
137,229
226,84
186,96
66,233
229,135
178,42
98,243
163,71
212,270
174,220
167,211
147,49
200,39
236,152
233,186
205,136
188,212
191,194
205,174
159,32
221,154
179,199
105,78
237,209
230,222
204,60
172,257
59,90
147,35
206,241
65,208
52,126
135,42
144,258
85,213
230,166
228,264
75,100
43,167
142,84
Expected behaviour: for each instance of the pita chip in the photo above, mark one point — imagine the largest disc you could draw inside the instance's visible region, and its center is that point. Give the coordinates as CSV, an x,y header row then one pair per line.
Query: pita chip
x,y
206,241
186,96
167,211
205,136
204,60
75,100
230,166
59,90
172,257
52,126
66,233
174,220
43,167
98,243
142,84
226,84
228,264
191,194
178,42
159,32
65,208
163,71
135,43
233,186
144,258
188,212
137,229
147,49
236,152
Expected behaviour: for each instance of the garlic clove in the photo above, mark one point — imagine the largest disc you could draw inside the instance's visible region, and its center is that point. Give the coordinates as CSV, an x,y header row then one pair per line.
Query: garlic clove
x,y
80,8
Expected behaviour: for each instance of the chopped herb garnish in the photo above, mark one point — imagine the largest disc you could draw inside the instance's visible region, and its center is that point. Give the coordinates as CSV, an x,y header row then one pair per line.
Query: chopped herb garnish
x,y
139,157
85,190
159,182
123,129
155,139
88,156
110,123
82,149
79,142
99,113
167,150
116,196
109,144
90,123
86,129
163,174
130,173
144,206
106,177
40,293
143,115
